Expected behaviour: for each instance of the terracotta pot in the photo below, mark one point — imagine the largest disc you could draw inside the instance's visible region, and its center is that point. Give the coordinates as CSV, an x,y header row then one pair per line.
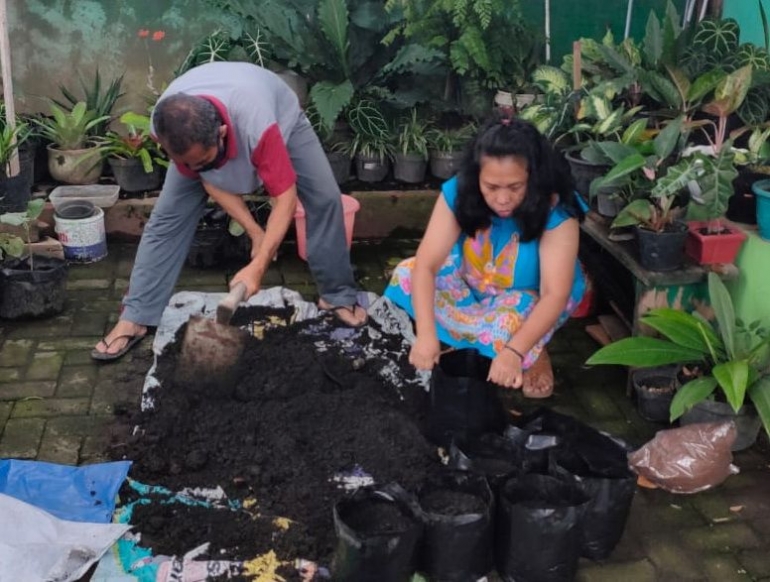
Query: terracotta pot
x,y
709,249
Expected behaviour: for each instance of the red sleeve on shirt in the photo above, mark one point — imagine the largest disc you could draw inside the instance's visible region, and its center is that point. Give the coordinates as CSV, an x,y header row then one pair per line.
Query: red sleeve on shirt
x,y
271,159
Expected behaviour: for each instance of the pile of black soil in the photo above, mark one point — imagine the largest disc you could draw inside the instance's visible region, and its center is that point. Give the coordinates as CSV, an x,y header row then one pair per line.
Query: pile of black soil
x,y
304,411
449,502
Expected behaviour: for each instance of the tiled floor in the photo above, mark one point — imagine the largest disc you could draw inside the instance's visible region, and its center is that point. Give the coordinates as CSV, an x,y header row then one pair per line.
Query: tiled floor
x,y
58,405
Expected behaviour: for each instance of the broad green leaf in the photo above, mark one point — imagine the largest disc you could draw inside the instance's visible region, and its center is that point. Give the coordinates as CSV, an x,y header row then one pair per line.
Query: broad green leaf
x,y
690,394
11,245
730,93
661,89
633,132
716,184
724,312
653,40
733,377
683,329
14,218
759,392
331,99
677,177
636,212
333,21
627,166
235,229
718,36
665,142
616,151
644,352
704,84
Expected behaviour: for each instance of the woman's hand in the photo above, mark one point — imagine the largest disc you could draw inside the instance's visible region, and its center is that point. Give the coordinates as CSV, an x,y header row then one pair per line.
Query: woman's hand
x,y
425,352
506,370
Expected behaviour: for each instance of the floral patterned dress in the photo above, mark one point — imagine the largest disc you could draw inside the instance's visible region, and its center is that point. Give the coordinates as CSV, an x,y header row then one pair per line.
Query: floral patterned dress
x,y
487,287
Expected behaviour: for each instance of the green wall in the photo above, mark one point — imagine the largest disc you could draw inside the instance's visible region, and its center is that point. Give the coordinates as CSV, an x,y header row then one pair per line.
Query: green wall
x,y
573,19
746,12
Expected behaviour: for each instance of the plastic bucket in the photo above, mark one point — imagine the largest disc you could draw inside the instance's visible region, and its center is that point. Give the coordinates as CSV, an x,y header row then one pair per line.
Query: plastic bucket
x,y
762,191
84,239
349,208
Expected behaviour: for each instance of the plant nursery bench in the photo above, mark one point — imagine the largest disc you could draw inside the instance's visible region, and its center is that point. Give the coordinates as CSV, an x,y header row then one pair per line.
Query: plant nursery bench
x,y
684,288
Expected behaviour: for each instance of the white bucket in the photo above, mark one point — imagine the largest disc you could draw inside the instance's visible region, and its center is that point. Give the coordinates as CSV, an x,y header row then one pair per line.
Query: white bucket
x,y
84,239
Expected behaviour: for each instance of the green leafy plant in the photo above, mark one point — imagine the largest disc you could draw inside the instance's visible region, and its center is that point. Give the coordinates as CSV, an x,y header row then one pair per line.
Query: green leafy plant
x,y
11,139
450,140
138,143
101,102
70,130
734,359
412,137
13,245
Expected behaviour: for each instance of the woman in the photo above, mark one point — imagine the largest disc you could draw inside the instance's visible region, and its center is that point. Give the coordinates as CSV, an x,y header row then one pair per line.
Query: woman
x,y
497,268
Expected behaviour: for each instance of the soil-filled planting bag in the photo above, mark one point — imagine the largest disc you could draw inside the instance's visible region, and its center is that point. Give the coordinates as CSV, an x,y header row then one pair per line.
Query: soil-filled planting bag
x,y
458,515
537,532
610,489
378,535
488,455
461,402
37,293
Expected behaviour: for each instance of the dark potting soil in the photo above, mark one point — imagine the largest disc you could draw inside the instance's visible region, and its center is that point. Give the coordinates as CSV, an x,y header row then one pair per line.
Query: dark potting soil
x,y
449,502
303,411
373,517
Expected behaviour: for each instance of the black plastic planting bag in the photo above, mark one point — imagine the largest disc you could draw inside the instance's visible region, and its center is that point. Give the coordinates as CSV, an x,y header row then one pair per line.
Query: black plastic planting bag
x,y
462,403
379,530
458,514
537,538
488,455
610,490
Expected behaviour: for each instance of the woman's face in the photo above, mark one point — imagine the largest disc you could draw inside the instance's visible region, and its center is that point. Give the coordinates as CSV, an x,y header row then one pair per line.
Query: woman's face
x,y
503,183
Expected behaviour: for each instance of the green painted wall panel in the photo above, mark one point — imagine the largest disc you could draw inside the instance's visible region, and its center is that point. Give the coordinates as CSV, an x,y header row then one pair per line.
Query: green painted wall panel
x,y
746,12
573,19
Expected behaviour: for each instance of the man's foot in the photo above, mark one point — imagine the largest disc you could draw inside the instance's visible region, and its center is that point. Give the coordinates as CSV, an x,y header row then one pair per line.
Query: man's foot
x,y
538,380
119,341
349,315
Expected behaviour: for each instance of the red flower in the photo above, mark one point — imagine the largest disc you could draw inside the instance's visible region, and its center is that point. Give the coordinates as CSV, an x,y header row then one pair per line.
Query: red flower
x,y
158,35
143,33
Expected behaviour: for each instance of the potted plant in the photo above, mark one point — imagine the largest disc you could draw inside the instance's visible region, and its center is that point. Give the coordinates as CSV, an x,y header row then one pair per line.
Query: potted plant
x,y
411,157
445,148
137,161
335,140
29,287
15,191
73,155
372,145
732,362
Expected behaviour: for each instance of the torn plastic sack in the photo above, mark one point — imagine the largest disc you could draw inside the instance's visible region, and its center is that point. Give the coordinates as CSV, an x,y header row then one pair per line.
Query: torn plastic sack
x,y
688,459
488,455
84,493
458,513
610,488
378,533
462,403
538,529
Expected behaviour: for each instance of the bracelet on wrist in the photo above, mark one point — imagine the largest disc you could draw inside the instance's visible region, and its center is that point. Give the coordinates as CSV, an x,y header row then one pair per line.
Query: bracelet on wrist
x,y
515,351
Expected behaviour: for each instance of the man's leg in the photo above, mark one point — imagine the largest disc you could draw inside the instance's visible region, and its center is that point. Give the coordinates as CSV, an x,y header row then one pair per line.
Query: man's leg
x,y
159,259
327,251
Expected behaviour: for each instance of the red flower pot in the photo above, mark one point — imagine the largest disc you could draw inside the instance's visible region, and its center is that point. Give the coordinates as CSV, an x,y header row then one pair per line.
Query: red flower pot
x,y
707,249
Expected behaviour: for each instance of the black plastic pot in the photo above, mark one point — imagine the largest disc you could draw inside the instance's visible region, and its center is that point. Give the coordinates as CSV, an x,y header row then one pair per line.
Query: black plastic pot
x,y
608,204
29,294
409,168
462,404
444,165
378,535
747,421
662,251
371,168
584,172
340,165
654,389
131,177
742,205
15,192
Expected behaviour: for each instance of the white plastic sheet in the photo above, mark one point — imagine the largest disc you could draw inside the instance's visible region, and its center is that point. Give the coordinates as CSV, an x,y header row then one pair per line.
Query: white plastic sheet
x,y
36,546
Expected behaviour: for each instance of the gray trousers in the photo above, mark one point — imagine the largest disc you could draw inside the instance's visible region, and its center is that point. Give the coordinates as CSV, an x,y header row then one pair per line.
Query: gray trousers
x,y
169,232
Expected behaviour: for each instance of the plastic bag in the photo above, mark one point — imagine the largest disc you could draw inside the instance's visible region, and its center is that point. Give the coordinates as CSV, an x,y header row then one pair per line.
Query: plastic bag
x,y
378,533
458,543
488,455
462,403
538,529
688,459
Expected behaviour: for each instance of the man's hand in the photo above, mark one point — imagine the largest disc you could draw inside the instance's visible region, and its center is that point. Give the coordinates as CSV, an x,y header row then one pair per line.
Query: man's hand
x,y
251,276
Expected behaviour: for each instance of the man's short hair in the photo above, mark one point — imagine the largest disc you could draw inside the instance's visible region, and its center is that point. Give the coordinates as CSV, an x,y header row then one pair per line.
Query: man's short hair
x,y
183,120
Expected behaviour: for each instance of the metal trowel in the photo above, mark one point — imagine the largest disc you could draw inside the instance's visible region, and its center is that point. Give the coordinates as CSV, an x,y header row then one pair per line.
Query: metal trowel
x,y
212,347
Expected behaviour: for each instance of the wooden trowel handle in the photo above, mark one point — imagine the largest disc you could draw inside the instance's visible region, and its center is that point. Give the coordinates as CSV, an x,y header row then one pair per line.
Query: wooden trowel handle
x,y
229,304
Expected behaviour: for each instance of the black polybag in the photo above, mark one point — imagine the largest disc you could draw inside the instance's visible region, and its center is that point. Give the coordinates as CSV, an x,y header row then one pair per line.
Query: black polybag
x,y
488,455
462,403
537,536
390,557
458,548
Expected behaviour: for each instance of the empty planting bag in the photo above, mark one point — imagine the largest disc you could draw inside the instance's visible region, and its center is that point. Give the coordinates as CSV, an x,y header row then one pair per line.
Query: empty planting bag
x,y
537,537
458,515
461,401
378,534
687,459
610,489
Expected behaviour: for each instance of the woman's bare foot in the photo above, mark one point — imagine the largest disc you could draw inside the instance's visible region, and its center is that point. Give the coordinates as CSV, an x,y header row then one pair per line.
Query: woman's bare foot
x,y
538,379
115,343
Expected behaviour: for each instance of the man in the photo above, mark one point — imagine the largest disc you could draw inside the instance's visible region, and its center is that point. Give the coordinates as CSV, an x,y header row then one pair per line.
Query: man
x,y
229,127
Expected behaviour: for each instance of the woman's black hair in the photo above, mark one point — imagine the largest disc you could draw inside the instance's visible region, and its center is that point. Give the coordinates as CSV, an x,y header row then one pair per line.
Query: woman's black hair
x,y
182,121
549,173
